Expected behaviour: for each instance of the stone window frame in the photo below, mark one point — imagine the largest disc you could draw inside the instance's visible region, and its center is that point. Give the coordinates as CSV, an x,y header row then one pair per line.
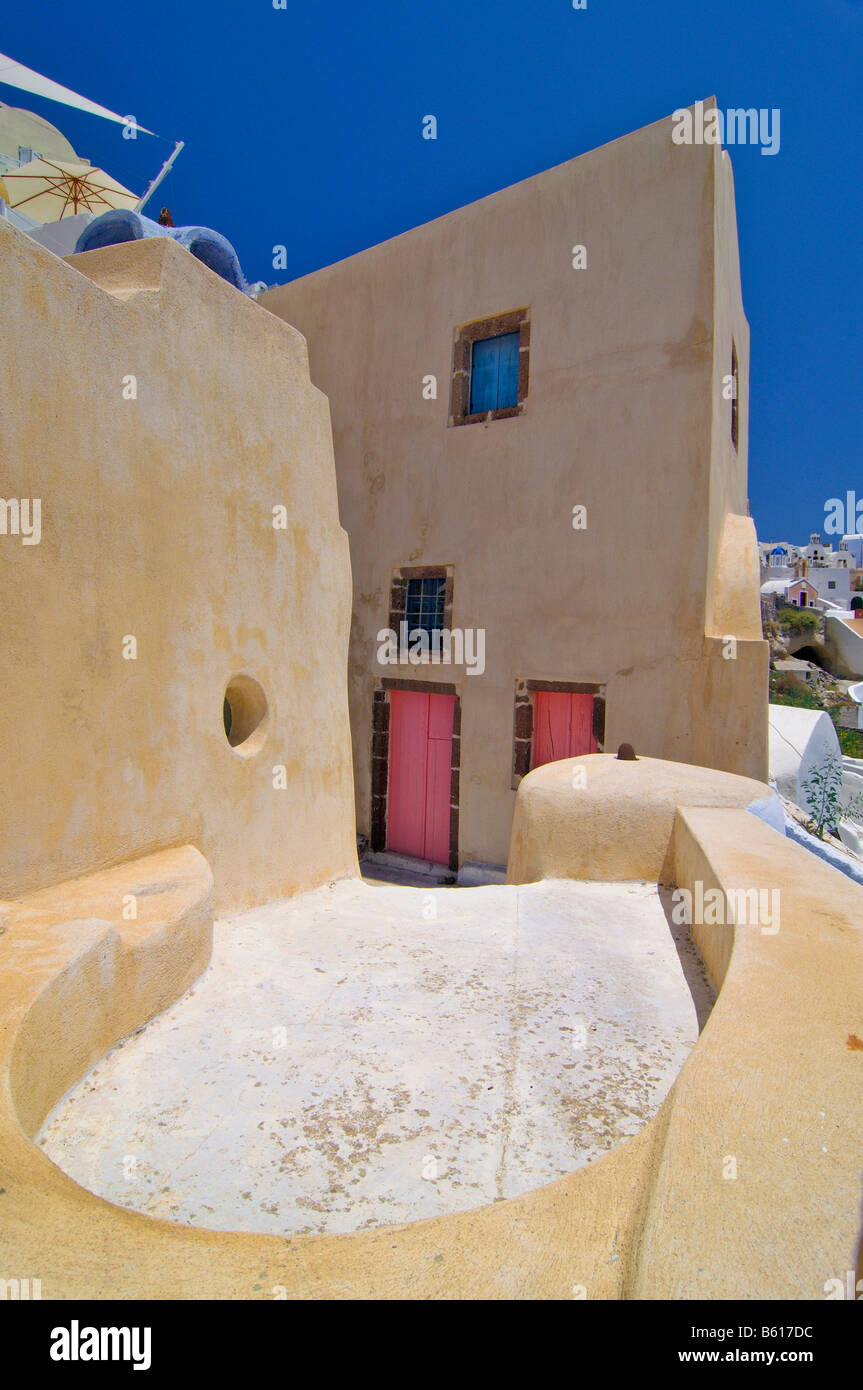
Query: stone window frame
x,y
523,719
514,320
381,700
399,591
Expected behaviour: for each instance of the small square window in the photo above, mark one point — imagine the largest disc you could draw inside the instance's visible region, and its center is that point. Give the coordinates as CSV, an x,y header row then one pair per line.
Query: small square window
x,y
491,367
494,373
425,605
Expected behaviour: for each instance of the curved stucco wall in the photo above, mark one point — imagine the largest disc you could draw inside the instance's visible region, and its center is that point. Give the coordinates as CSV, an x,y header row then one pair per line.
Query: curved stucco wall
x,y
801,742
597,817
98,975
775,1082
160,416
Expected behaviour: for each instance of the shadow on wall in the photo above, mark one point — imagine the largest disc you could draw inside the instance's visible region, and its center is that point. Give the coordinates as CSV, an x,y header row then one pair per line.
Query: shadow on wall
x,y
691,963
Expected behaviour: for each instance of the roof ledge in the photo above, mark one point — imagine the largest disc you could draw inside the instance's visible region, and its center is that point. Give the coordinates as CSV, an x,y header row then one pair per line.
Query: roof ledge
x,y
127,268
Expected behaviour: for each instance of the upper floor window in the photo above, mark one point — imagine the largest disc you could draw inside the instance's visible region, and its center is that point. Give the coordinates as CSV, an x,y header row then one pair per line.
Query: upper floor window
x,y
421,598
491,359
494,373
425,604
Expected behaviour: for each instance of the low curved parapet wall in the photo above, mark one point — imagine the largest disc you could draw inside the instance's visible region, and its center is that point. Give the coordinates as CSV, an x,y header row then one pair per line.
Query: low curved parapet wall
x,y
84,964
757,1194
744,1185
802,741
598,817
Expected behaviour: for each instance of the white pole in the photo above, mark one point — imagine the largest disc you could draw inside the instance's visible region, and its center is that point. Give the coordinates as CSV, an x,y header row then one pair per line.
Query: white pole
x,y
166,169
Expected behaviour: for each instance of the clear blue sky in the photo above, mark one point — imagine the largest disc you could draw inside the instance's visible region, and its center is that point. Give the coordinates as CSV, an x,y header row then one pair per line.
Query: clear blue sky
x,y
302,127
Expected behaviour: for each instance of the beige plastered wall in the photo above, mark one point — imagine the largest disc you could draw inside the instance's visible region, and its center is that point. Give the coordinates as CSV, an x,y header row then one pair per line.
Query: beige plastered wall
x,y
624,415
157,523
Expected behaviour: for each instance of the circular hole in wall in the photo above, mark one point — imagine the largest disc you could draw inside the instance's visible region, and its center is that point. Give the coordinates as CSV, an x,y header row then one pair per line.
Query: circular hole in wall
x,y
245,715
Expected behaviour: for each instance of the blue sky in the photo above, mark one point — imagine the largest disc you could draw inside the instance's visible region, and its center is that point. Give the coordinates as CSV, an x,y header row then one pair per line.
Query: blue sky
x,y
327,98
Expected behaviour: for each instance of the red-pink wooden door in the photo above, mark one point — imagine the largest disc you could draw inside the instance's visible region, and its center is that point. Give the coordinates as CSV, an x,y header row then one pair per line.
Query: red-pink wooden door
x,y
562,726
418,812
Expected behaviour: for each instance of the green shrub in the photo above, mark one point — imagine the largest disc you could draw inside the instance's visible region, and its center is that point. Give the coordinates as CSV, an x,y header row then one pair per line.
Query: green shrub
x,y
793,694
798,619
851,742
822,788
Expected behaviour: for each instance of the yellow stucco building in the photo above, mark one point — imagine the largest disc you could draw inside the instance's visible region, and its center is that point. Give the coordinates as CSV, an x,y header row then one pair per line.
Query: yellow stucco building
x,y
176,736
581,518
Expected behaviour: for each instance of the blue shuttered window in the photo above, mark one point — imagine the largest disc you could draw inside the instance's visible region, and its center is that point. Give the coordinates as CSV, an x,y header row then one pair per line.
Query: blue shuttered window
x,y
494,373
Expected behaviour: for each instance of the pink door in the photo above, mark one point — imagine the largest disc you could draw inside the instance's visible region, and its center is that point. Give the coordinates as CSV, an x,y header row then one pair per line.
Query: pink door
x,y
419,780
562,726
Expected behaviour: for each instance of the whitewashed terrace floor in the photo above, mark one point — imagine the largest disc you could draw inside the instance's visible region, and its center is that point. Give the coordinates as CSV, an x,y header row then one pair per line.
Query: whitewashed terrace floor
x,y
369,1054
